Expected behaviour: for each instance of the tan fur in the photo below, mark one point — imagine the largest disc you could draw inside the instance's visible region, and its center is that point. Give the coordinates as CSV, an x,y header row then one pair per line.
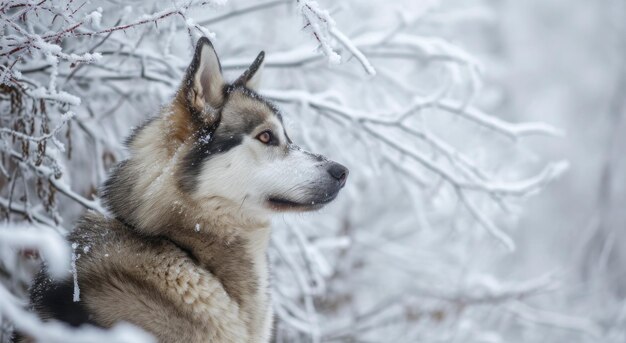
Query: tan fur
x,y
154,284
180,128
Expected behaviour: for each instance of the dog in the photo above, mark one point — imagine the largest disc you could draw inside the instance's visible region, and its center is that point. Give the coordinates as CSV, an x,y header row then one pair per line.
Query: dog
x,y
182,252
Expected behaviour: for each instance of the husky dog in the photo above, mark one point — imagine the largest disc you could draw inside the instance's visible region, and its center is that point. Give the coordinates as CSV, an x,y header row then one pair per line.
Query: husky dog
x,y
183,253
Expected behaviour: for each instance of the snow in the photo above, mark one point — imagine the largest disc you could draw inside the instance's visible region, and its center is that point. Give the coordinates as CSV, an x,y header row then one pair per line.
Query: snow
x,y
54,332
191,24
75,257
43,93
47,242
320,24
95,18
468,215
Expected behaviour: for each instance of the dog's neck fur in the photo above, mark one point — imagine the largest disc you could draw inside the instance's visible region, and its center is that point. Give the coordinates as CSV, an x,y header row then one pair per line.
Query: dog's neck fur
x,y
240,263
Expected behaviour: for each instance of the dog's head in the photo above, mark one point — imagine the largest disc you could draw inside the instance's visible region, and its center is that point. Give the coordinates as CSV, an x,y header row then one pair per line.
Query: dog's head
x,y
239,148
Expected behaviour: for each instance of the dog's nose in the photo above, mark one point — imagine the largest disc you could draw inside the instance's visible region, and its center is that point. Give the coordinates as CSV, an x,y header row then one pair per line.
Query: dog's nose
x,y
338,172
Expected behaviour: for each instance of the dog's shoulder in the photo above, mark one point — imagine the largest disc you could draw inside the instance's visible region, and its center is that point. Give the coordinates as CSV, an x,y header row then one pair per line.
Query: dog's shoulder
x,y
149,281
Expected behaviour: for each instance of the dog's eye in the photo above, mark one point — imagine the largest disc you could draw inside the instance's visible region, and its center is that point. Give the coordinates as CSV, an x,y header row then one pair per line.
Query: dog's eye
x,y
265,137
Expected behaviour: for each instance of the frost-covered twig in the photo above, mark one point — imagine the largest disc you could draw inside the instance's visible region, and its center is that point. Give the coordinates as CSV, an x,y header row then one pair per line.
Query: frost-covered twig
x,y
512,130
393,310
554,319
322,27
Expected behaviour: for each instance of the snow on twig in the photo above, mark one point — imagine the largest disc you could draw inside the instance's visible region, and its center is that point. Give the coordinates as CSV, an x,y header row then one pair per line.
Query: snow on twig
x,y
322,27
554,319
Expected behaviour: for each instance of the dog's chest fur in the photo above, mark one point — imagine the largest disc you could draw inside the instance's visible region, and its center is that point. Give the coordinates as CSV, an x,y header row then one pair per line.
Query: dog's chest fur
x,y
186,287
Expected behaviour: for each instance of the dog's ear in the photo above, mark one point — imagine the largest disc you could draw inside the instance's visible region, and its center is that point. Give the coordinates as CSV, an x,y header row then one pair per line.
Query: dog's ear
x,y
251,78
204,84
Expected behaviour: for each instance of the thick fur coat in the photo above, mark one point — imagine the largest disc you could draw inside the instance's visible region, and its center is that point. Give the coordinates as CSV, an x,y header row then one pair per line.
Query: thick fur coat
x,y
183,252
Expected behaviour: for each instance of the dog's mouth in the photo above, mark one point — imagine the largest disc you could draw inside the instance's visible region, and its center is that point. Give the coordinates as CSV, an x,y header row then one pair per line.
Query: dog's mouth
x,y
278,203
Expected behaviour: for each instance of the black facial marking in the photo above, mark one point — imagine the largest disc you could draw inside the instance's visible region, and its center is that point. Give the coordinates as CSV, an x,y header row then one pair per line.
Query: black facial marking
x,y
203,149
220,138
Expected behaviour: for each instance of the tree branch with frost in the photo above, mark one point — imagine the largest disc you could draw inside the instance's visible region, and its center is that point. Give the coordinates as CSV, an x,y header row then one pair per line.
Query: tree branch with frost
x,y
48,136
53,174
322,27
319,22
245,10
24,210
26,40
555,319
290,312
485,291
